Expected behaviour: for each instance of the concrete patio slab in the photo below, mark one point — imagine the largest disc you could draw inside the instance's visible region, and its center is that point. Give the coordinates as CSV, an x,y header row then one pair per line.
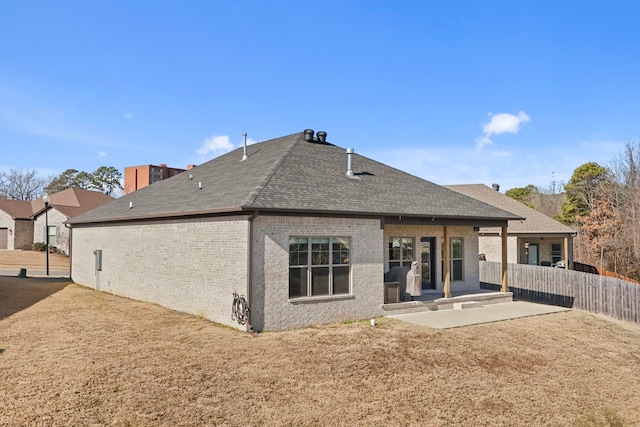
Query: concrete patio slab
x,y
444,319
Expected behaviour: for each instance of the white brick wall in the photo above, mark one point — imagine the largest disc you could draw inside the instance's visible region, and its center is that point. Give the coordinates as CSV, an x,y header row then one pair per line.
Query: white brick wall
x,y
62,233
491,246
189,265
7,222
275,311
471,264
195,265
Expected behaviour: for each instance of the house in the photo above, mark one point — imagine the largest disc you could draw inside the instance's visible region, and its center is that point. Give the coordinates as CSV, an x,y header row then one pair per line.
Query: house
x,y
537,239
299,229
63,206
16,226
137,177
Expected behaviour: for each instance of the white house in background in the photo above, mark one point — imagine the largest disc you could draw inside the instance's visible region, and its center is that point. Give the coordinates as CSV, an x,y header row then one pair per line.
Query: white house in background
x,y
302,228
536,239
63,206
16,226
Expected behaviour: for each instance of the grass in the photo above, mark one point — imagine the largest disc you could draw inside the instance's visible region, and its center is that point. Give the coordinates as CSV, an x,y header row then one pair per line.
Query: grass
x,y
79,357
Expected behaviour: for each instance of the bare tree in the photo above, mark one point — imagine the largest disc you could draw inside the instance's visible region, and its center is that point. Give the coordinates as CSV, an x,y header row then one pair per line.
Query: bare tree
x,y
20,184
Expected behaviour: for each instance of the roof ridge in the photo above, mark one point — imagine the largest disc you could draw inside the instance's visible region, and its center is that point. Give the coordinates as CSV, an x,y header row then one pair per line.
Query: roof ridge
x,y
263,184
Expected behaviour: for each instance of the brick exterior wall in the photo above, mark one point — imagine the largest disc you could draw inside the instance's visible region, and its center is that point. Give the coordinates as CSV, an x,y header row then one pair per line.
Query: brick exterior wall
x,y
189,265
19,231
23,234
491,246
273,310
7,222
195,265
517,250
471,251
62,233
544,248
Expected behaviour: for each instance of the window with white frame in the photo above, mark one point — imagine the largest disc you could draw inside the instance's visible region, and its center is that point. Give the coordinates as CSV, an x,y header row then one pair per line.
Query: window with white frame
x,y
319,266
52,232
457,258
401,251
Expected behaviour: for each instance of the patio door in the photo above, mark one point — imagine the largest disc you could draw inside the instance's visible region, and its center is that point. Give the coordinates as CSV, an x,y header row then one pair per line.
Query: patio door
x,y
428,262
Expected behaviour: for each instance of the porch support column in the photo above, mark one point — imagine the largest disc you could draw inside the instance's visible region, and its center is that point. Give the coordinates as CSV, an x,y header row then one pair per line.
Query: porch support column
x,y
505,286
566,253
447,264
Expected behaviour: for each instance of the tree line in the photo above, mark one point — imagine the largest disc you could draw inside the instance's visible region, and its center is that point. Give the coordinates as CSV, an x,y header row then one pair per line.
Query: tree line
x,y
19,184
602,203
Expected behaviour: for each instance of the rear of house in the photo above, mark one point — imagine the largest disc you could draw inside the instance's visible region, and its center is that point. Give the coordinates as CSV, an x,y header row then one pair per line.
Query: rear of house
x,y
304,230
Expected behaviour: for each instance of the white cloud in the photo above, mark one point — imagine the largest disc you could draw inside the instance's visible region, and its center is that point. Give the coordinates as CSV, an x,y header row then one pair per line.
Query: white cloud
x,y
102,154
216,145
482,141
128,115
501,123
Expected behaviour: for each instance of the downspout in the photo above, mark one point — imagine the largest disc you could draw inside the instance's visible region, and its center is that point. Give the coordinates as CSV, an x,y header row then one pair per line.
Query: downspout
x,y
70,251
250,268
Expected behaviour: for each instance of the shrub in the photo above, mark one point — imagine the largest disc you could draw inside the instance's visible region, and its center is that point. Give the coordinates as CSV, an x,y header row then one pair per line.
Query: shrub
x,y
38,246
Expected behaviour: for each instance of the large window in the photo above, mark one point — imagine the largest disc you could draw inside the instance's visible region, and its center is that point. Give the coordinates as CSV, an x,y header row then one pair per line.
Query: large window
x,y
319,266
401,251
457,259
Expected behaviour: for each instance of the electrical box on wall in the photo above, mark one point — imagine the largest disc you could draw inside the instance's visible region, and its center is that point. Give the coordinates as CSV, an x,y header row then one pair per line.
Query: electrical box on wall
x,y
98,259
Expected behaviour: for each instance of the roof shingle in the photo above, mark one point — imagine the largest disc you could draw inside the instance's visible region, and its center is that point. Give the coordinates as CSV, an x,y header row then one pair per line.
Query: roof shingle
x,y
293,175
534,223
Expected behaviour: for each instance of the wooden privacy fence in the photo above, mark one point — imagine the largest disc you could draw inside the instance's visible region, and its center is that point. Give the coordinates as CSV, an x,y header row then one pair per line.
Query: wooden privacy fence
x,y
609,296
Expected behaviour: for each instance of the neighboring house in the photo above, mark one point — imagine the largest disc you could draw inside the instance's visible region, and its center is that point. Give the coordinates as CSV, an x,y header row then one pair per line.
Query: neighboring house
x,y
537,240
304,229
137,177
63,206
16,226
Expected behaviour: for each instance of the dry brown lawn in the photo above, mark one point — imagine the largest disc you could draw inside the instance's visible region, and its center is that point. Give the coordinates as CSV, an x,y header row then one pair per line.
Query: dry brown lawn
x,y
14,260
73,356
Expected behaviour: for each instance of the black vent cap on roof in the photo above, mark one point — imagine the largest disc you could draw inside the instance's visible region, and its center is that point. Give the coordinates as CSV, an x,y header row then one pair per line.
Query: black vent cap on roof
x,y
308,135
322,136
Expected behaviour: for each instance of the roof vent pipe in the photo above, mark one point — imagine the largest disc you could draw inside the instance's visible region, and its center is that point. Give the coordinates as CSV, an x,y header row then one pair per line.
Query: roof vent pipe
x,y
322,136
350,173
308,135
244,155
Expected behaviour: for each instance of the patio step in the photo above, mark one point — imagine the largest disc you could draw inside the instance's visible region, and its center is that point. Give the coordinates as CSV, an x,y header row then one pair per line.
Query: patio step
x,y
472,300
480,298
408,307
465,305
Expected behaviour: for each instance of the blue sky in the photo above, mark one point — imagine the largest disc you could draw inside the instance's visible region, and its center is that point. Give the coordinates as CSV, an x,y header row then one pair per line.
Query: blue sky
x,y
515,93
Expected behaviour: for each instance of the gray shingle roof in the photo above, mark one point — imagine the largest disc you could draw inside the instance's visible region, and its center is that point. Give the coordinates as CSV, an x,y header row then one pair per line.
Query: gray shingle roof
x,y
293,175
535,222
